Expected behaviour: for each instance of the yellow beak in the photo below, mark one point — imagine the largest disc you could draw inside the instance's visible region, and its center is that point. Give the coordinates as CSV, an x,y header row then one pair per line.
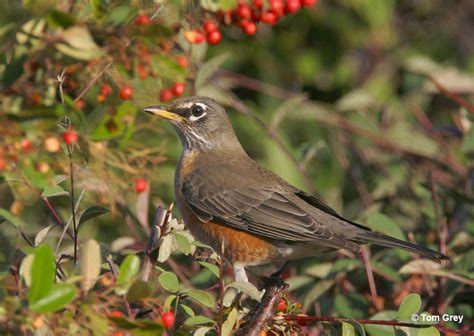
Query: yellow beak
x,y
160,111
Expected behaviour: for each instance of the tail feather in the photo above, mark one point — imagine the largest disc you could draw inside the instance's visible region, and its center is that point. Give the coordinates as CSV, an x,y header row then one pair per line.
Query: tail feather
x,y
387,241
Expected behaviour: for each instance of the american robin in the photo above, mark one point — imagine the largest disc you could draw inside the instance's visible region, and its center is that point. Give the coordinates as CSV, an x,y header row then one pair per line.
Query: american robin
x,y
226,199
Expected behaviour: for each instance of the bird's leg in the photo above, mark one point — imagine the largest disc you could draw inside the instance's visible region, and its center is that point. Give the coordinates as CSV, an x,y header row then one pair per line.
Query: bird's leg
x,y
282,269
240,274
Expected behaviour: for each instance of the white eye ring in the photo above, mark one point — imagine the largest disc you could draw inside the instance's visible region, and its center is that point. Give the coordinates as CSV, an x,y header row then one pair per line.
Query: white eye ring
x,y
198,111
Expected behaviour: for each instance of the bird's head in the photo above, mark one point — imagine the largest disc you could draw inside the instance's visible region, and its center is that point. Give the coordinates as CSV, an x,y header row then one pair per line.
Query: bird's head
x,y
201,123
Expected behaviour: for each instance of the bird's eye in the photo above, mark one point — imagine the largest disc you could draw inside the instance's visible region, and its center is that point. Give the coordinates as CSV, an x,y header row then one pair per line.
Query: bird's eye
x,y
197,110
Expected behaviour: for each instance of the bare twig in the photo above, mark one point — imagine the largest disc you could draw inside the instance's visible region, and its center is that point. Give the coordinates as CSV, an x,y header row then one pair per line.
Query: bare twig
x,y
376,322
443,239
59,221
73,202
341,122
161,218
264,311
364,253
92,82
454,97
113,269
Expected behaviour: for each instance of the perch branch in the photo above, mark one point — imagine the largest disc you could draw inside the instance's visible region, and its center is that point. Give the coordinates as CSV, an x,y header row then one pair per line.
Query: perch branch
x,y
375,322
161,218
256,320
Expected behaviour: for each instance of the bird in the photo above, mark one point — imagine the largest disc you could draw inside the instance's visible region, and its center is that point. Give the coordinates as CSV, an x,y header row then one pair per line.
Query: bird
x,y
228,201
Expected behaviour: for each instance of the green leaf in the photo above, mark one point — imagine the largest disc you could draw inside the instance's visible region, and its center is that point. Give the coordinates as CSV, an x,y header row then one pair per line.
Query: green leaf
x,y
138,291
78,44
377,330
60,19
90,264
128,269
202,297
13,70
386,225
431,331
188,310
58,296
410,305
183,243
468,142
169,281
229,323
198,319
43,272
42,234
348,329
211,267
353,305
319,289
92,212
121,15
54,191
209,68
246,287
6,215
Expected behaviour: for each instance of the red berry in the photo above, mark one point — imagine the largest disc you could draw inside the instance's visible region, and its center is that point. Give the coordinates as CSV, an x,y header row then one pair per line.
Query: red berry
x,y
292,6
166,95
182,61
116,313
126,92
244,11
26,145
282,306
269,17
79,105
308,3
214,38
277,7
3,164
258,3
210,26
70,136
178,88
168,319
194,36
250,28
200,37
142,20
142,71
101,98
105,89
140,185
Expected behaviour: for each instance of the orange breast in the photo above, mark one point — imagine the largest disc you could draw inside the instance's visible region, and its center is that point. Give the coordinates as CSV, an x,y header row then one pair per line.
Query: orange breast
x,y
239,246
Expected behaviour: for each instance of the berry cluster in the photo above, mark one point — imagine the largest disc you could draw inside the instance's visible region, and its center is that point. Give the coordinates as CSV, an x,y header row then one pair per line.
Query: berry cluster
x,y
175,91
246,16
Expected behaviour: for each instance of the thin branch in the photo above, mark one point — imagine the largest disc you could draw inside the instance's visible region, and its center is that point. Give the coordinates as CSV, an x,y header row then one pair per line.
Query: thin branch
x,y
256,319
375,322
59,221
454,97
364,253
341,122
158,229
113,269
73,202
443,240
92,82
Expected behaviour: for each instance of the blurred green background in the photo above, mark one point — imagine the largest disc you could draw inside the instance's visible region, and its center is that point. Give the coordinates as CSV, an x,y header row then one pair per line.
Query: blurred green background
x,y
369,104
